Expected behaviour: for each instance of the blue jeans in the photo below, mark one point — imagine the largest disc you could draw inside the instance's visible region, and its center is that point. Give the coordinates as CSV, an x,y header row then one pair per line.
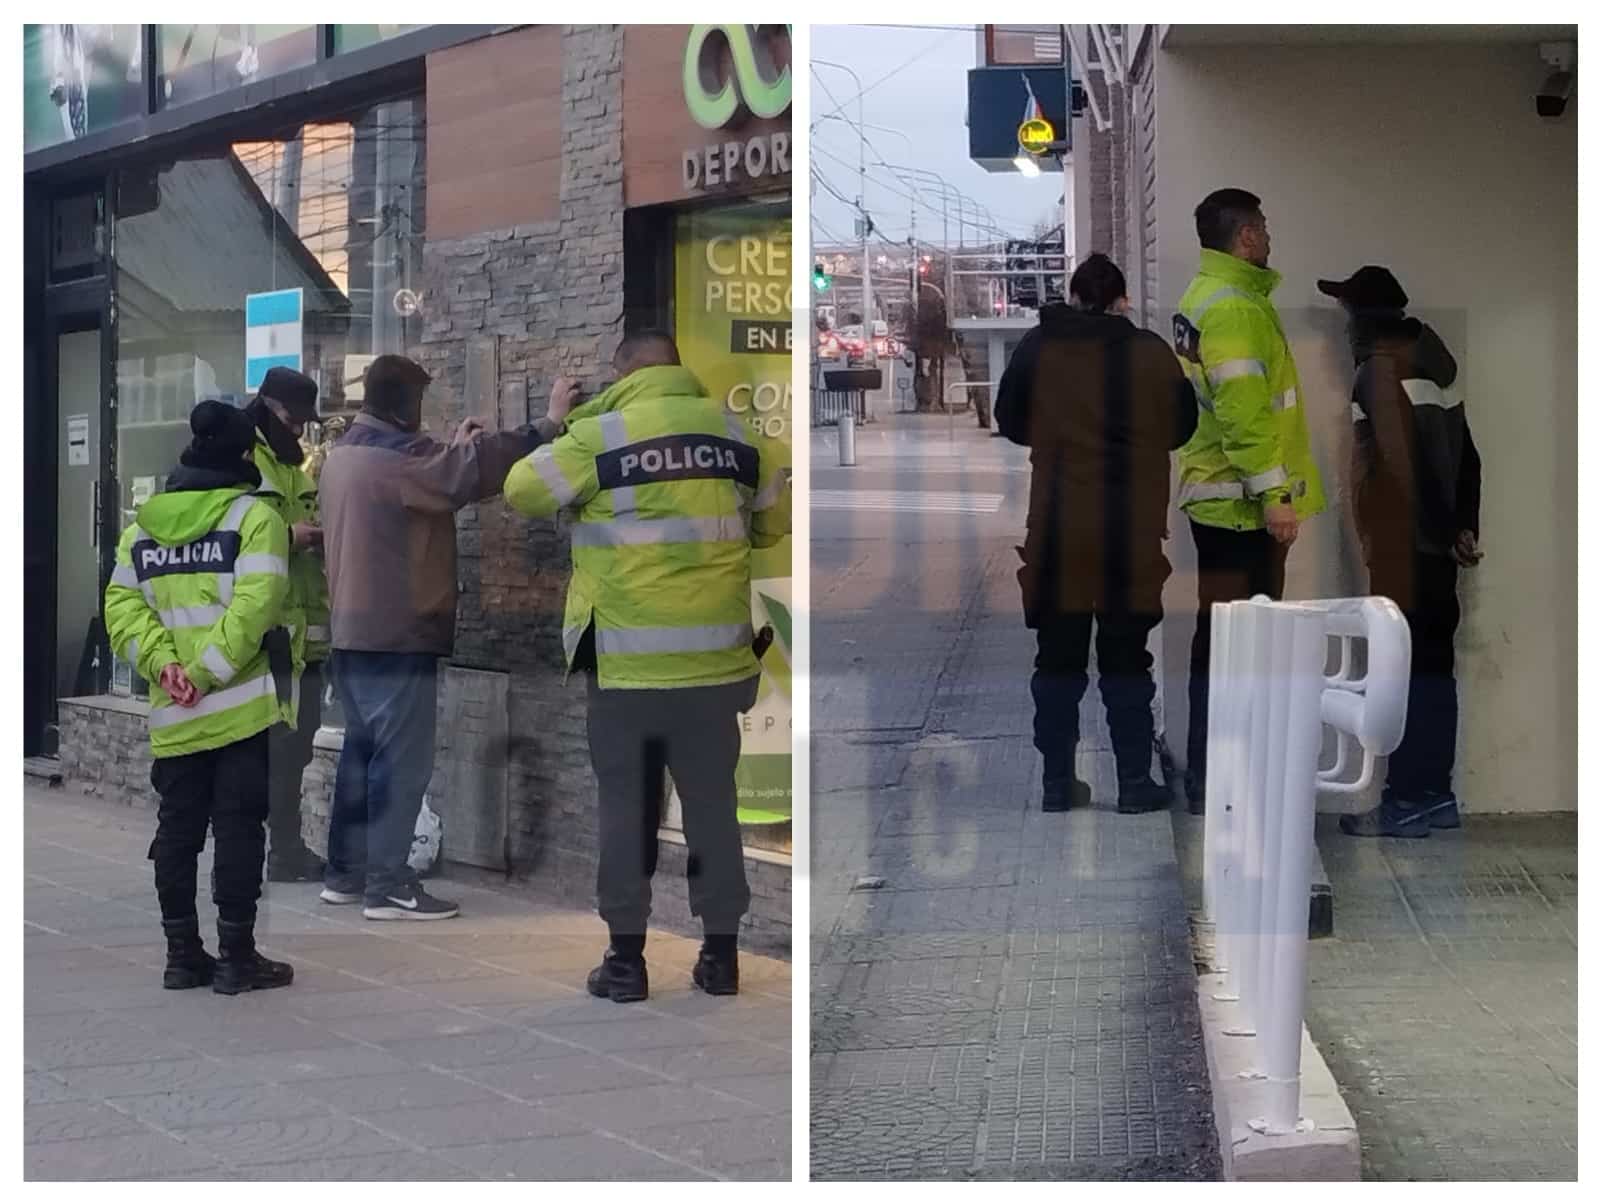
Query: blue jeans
x,y
390,704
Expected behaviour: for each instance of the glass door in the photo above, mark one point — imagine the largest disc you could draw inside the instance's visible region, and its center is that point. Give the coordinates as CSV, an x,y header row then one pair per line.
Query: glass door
x,y
78,532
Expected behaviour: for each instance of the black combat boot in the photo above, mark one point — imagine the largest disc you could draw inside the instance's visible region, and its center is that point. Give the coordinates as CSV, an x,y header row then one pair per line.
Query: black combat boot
x,y
716,972
187,963
622,975
1140,794
1062,790
241,968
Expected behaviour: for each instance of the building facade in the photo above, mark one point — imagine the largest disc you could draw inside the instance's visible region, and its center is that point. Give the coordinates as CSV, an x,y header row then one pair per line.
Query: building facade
x,y
501,204
1419,148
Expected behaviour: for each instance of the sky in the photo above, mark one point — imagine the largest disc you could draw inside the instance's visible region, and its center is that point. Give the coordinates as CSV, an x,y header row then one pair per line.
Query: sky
x,y
925,100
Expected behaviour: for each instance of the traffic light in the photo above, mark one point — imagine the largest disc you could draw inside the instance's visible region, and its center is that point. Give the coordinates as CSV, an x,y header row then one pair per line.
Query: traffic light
x,y
823,281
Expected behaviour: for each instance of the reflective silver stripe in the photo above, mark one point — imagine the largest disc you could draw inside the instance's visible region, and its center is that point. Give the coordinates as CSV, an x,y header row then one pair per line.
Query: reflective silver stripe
x,y
132,654
1189,493
216,662
673,641
645,532
542,460
234,521
192,616
317,633
1358,412
261,564
613,426
1276,477
1425,393
1235,368
124,576
570,638
1204,306
237,696
1283,401
768,496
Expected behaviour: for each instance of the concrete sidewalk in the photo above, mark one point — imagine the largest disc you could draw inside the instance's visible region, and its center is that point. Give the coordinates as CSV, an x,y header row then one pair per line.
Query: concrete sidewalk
x,y
1446,1003
465,1049
997,992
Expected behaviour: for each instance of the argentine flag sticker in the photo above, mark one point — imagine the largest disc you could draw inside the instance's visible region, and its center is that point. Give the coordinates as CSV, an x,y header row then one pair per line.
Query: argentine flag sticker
x,y
273,333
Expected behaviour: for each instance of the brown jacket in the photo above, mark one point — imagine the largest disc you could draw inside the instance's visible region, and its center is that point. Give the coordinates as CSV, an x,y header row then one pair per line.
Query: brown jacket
x,y
1102,404
388,501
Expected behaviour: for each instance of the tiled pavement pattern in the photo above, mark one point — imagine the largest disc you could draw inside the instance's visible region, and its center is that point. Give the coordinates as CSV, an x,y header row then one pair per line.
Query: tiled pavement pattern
x,y
1446,1003
460,1050
997,992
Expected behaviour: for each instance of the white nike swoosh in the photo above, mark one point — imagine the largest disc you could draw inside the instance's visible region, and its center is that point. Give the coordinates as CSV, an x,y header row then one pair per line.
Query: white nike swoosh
x,y
401,903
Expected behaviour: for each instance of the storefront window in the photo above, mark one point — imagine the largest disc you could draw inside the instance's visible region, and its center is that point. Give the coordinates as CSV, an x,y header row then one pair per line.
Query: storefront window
x,y
336,212
733,317
358,37
202,60
78,80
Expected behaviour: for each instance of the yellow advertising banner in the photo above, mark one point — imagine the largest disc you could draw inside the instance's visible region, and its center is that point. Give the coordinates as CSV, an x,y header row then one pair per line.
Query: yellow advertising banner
x,y
734,328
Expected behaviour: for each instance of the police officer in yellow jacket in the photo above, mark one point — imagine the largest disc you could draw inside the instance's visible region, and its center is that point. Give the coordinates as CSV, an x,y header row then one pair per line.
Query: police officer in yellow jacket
x,y
282,408
196,604
1247,477
670,495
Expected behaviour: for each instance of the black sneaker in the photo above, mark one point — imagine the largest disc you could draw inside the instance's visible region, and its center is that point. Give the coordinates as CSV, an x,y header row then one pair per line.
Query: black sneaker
x,y
1142,796
1194,786
1061,795
715,975
624,980
1441,809
411,903
1387,820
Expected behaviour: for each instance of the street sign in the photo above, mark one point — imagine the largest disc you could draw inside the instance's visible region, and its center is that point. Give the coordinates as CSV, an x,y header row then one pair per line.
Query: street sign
x,y
1036,135
274,333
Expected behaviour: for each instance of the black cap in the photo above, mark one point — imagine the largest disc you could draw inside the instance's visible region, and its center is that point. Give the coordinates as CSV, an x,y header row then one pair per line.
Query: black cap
x,y
223,435
294,390
1368,287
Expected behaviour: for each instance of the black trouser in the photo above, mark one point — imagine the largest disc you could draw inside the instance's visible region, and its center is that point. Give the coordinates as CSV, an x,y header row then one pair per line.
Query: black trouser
x,y
634,737
291,749
227,789
1232,565
1426,588
1060,679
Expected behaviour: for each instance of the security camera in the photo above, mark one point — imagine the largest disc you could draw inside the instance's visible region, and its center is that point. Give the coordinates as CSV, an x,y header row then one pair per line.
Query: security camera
x,y
1557,89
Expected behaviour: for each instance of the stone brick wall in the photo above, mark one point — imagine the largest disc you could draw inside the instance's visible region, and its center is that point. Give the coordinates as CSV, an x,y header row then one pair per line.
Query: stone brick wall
x,y
105,748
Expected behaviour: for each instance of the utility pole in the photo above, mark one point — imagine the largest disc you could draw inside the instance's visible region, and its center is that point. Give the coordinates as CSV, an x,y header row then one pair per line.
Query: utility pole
x,y
865,216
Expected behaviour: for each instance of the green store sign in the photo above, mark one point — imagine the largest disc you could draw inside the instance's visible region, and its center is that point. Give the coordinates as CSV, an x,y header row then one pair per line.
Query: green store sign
x,y
755,88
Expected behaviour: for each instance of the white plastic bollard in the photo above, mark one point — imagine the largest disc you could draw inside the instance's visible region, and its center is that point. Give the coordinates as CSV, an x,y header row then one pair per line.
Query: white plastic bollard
x,y
846,440
1270,696
1280,1043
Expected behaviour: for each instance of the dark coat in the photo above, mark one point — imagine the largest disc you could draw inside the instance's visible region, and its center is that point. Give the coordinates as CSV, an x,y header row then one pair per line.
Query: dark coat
x,y
1417,474
1102,404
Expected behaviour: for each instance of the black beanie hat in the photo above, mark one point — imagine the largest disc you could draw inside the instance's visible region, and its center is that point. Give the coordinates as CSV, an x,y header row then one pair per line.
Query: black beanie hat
x,y
223,435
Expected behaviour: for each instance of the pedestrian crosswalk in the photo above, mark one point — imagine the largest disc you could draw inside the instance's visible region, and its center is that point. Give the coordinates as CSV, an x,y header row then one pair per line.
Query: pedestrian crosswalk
x,y
973,503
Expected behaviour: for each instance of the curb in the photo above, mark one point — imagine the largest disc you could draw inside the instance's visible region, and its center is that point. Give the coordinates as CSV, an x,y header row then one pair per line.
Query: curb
x,y
1328,1151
